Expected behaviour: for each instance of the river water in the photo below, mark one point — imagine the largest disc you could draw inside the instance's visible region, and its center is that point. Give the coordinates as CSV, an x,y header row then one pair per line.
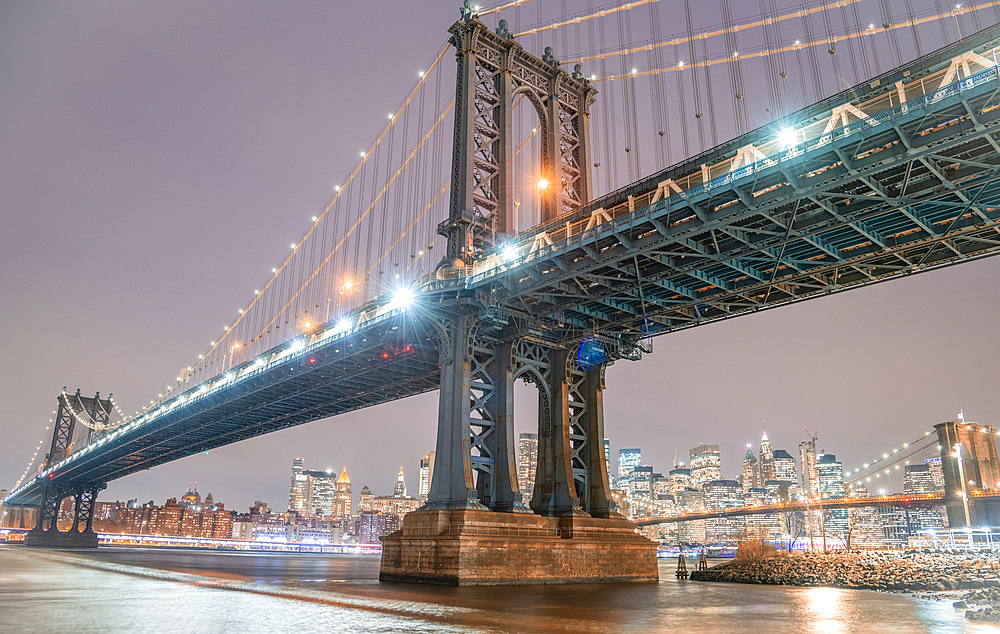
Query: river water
x,y
151,590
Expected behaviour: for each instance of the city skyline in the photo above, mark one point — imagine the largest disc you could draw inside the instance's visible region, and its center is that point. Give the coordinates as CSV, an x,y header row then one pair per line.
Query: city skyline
x,y
262,172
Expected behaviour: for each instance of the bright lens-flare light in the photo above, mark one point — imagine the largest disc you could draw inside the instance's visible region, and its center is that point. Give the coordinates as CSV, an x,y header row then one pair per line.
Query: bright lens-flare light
x,y
402,298
788,137
343,326
543,184
509,253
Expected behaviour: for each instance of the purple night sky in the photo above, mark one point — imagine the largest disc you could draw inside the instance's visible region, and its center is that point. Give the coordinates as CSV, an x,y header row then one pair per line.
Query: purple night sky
x,y
157,158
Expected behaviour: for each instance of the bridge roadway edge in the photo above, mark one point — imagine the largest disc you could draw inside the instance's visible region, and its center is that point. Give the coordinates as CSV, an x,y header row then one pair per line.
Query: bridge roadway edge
x,y
470,547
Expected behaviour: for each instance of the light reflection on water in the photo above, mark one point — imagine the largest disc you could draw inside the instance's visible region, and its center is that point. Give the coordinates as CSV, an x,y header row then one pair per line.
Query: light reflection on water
x,y
188,591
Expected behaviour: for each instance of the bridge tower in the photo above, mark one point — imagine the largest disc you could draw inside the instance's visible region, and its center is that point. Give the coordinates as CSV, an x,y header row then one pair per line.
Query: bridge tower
x,y
80,534
474,529
980,466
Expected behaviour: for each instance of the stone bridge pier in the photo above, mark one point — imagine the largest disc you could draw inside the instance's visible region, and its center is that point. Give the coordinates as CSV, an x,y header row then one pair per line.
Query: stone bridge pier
x,y
474,529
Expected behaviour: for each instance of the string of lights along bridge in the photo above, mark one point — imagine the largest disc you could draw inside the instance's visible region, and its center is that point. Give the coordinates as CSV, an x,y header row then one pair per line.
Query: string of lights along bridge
x,y
610,180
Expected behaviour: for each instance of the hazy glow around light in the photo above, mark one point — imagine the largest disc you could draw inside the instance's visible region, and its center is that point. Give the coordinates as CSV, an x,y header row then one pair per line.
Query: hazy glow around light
x,y
402,298
509,253
788,137
343,325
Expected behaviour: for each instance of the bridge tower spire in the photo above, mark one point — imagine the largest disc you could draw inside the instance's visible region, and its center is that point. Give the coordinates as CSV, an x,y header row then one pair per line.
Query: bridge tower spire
x,y
493,71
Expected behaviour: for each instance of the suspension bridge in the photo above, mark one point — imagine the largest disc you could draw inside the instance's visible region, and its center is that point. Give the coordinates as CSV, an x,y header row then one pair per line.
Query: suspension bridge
x,y
966,460
522,272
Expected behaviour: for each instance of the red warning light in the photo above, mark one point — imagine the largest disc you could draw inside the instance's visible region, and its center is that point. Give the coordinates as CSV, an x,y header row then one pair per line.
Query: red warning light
x,y
312,359
409,348
385,355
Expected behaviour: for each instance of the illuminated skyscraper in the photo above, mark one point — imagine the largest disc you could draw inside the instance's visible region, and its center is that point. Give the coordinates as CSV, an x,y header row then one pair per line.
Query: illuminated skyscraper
x,y
830,476
807,469
690,500
426,473
342,496
766,459
322,487
830,479
628,459
784,466
678,479
917,479
706,464
400,490
527,463
298,494
720,495
751,477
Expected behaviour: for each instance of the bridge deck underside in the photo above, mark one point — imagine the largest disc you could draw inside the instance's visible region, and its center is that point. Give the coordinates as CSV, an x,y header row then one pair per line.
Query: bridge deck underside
x,y
914,192
345,375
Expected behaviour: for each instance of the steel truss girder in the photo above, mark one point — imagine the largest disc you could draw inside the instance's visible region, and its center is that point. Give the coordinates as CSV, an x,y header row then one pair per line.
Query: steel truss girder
x,y
884,202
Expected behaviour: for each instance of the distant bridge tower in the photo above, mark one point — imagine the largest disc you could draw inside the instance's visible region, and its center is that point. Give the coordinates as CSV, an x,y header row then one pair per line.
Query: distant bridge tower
x,y
980,466
571,532
96,412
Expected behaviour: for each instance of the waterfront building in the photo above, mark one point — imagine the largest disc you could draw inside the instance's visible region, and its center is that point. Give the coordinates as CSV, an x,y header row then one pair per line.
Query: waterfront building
x,y
751,475
298,493
720,495
527,464
766,459
628,459
706,464
426,473
784,467
342,497
174,519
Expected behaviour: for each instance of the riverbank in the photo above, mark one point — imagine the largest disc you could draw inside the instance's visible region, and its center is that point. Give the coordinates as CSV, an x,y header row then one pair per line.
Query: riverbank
x,y
939,574
169,590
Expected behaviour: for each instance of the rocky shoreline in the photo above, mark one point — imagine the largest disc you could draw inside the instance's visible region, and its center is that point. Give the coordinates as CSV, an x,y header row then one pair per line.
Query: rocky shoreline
x,y
939,574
